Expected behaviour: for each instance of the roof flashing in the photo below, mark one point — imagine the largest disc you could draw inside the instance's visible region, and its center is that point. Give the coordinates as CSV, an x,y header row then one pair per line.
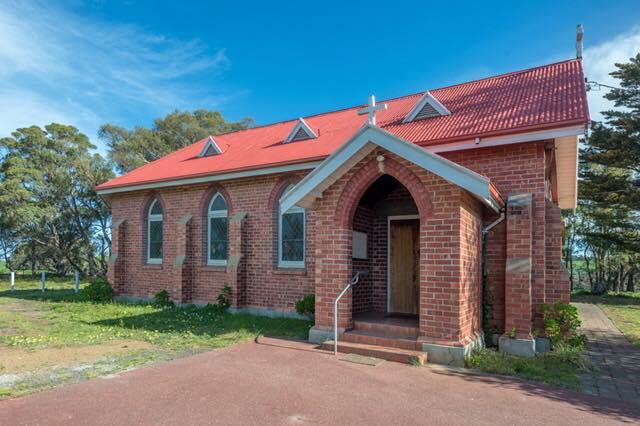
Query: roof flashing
x,y
300,132
210,148
427,107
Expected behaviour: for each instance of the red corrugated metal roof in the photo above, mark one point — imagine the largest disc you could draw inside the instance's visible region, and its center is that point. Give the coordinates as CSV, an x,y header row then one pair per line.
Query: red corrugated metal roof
x,y
547,96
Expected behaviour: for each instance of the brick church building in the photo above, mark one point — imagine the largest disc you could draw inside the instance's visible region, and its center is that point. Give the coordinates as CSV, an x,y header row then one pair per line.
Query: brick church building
x,y
431,197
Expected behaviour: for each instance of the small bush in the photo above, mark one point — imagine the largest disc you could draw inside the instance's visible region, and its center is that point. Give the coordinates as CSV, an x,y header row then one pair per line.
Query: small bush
x,y
306,305
162,300
97,292
561,324
224,298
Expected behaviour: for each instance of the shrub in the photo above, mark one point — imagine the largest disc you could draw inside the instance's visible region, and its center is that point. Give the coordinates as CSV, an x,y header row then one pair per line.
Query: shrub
x,y
162,300
306,305
561,324
224,298
97,292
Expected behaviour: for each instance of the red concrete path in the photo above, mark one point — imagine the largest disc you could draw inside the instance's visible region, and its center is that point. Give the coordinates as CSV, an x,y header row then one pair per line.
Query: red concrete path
x,y
263,384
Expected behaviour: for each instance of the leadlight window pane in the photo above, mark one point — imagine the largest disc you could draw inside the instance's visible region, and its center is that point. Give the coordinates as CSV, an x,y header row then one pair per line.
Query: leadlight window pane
x,y
218,204
155,239
218,235
156,208
293,237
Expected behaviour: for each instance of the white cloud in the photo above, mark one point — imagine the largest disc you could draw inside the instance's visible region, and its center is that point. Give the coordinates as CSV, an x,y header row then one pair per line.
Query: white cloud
x,y
58,66
599,61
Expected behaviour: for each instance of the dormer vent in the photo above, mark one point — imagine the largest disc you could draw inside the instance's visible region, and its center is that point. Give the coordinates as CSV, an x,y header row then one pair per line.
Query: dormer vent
x,y
427,107
301,131
210,148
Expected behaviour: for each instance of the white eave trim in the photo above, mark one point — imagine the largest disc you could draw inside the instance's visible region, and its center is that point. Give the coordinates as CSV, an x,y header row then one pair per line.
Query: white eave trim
x,y
427,98
301,124
539,135
210,143
212,178
363,142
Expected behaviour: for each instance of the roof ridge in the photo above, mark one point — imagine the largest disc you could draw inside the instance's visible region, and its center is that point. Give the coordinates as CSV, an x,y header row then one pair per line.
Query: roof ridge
x,y
506,74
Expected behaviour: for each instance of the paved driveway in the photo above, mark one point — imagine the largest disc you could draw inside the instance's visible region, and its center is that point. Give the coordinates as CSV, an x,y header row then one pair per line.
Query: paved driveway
x,y
266,384
618,361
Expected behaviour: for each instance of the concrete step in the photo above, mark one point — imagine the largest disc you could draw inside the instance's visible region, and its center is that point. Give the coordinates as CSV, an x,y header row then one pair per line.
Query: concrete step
x,y
381,339
399,330
390,354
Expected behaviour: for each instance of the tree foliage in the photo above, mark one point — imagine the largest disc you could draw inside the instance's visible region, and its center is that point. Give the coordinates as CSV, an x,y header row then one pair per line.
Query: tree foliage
x,y
50,216
605,228
129,149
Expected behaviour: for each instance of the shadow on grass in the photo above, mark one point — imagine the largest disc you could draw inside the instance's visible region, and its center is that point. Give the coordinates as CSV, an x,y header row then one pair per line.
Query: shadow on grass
x,y
53,295
209,321
625,298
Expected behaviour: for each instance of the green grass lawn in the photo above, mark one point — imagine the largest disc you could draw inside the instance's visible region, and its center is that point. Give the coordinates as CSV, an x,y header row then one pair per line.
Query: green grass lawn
x,y
555,368
623,309
54,337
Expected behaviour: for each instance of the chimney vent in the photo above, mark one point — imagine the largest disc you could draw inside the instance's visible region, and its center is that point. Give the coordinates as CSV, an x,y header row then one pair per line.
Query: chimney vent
x,y
579,33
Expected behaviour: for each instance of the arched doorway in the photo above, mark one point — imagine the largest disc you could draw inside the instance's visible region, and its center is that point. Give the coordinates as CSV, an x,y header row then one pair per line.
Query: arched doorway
x,y
386,241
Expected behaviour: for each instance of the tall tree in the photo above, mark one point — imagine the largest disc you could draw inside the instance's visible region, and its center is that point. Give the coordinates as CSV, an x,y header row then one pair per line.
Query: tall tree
x,y
606,225
616,144
129,149
48,204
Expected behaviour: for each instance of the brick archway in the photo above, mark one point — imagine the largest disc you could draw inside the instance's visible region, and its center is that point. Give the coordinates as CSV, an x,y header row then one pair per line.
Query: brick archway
x,y
360,182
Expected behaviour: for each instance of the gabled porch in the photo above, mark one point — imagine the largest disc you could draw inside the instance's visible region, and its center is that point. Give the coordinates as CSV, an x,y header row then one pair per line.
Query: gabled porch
x,y
412,220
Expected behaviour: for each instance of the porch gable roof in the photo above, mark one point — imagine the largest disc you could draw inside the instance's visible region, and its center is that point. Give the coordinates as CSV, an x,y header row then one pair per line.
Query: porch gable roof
x,y
363,142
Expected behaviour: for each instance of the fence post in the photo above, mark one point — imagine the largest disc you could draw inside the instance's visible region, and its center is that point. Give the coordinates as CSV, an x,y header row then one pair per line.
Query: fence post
x,y
12,280
75,283
43,285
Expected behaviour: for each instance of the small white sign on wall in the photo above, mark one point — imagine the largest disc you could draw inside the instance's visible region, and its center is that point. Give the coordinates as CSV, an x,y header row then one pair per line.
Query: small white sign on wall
x,y
359,245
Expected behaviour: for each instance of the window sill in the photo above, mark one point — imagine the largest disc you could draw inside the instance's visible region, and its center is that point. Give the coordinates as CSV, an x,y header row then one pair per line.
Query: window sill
x,y
146,265
279,270
212,267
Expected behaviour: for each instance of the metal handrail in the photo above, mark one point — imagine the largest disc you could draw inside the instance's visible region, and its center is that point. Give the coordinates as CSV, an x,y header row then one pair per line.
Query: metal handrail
x,y
352,282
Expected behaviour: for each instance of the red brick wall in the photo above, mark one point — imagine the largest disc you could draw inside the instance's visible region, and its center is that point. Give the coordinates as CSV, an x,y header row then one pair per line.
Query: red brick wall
x,y
470,266
364,292
270,287
513,169
519,272
558,283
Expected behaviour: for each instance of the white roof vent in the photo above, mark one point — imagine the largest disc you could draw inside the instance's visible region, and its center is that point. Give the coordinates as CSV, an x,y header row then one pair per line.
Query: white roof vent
x,y
210,148
427,107
301,131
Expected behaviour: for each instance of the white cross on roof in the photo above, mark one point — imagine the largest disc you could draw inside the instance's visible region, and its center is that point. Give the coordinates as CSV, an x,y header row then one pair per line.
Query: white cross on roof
x,y
371,110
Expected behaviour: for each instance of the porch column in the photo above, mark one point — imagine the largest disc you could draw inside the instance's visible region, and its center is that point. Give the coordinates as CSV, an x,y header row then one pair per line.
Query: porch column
x,y
332,274
518,293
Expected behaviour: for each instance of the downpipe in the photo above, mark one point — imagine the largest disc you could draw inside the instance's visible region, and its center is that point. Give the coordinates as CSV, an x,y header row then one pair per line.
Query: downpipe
x,y
485,232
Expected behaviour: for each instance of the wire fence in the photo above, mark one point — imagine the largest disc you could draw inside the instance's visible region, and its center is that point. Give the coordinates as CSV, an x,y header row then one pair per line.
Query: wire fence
x,y
43,281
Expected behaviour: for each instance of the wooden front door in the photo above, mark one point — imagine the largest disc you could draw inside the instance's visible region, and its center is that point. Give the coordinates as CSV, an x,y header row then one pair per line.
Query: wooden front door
x,y
404,238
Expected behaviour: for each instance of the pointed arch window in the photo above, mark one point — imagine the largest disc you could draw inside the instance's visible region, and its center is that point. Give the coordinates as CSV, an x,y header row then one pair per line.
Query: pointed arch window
x,y
291,236
217,236
154,233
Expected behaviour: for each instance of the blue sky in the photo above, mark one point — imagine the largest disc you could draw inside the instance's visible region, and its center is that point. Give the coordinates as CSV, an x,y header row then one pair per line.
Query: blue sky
x,y
127,62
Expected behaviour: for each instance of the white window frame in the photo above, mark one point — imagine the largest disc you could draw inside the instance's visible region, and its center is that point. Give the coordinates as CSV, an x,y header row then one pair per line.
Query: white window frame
x,y
216,214
292,263
154,218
